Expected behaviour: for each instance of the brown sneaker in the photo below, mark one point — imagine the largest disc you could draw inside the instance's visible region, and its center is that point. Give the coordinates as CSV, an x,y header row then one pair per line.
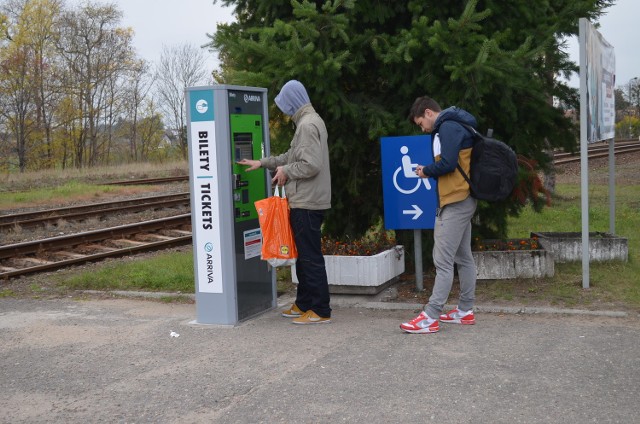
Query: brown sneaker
x,y
293,312
310,317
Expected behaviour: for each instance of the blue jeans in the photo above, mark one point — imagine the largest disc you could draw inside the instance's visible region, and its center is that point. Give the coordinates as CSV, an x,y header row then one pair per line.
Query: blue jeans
x,y
313,287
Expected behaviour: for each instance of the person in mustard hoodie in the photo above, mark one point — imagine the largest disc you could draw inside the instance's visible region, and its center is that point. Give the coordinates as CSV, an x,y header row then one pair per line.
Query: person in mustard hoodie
x,y
452,144
304,171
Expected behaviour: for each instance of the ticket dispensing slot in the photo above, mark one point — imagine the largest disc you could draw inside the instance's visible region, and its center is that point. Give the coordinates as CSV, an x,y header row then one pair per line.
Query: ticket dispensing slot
x,y
243,143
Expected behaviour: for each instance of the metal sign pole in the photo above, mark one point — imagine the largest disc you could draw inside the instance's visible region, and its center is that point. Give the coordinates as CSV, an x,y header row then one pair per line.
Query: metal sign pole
x,y
584,160
417,246
612,188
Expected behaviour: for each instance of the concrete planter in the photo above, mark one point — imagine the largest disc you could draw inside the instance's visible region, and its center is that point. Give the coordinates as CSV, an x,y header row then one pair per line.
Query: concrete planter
x,y
362,274
567,247
504,264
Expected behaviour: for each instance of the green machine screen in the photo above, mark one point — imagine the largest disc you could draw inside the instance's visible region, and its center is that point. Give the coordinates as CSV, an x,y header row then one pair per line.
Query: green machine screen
x,y
247,143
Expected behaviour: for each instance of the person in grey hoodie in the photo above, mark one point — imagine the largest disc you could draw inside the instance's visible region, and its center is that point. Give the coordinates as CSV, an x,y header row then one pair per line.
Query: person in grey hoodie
x,y
304,172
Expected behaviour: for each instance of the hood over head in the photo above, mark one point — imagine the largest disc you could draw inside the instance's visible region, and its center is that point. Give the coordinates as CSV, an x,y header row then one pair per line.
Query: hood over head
x,y
292,97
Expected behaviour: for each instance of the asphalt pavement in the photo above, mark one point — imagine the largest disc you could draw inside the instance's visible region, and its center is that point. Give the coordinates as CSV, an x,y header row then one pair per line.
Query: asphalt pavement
x,y
141,361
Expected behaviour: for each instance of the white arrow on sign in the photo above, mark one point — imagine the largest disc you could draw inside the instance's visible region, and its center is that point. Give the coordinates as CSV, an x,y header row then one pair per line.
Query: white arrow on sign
x,y
416,212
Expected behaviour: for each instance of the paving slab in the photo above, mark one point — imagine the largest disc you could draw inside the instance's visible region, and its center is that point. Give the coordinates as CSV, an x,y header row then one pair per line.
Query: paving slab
x,y
132,360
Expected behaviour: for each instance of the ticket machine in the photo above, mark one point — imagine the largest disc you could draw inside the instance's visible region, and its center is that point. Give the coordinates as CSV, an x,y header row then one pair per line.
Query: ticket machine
x,y
225,124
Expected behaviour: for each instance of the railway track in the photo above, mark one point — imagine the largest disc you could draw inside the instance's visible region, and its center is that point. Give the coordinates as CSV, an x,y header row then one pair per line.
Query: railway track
x,y
599,150
58,252
151,181
124,240
80,213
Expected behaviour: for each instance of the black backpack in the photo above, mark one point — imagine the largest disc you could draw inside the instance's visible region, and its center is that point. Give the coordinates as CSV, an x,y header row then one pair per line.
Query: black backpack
x,y
494,168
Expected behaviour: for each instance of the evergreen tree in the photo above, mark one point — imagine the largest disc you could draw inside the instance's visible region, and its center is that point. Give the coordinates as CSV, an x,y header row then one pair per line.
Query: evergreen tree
x,y
364,62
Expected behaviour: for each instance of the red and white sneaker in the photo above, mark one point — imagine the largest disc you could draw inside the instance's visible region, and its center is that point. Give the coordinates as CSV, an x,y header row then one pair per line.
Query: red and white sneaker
x,y
421,324
457,316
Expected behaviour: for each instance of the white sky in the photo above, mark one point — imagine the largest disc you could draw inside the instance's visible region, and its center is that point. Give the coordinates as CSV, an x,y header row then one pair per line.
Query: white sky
x,y
621,28
169,22
174,22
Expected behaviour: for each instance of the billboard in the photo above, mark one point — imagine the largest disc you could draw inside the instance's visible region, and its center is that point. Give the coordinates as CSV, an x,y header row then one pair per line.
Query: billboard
x,y
600,82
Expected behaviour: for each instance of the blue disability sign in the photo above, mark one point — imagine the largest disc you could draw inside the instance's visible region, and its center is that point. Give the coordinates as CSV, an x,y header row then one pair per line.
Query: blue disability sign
x,y
409,201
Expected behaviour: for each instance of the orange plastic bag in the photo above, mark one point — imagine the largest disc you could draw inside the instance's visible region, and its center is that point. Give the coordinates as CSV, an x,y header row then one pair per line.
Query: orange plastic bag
x,y
278,245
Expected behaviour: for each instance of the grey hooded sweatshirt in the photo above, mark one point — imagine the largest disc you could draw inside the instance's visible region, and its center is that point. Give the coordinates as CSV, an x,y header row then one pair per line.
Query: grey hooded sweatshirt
x,y
306,163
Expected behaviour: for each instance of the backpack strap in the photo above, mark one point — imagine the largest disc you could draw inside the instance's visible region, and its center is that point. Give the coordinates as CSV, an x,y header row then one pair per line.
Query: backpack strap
x,y
464,174
474,133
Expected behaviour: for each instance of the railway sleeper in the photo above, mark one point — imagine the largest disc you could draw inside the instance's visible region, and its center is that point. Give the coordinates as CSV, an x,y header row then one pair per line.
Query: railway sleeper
x,y
7,269
69,255
99,248
155,237
128,242
27,262
180,232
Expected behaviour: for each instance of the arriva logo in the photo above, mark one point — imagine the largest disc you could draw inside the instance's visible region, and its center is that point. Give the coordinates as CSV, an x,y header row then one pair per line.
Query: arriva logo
x,y
202,106
252,98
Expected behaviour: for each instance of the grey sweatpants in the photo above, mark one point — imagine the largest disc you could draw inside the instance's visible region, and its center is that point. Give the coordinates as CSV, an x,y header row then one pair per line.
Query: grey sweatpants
x,y
452,244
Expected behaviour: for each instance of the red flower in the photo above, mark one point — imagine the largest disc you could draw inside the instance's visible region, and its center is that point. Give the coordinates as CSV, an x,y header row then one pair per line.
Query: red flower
x,y
369,245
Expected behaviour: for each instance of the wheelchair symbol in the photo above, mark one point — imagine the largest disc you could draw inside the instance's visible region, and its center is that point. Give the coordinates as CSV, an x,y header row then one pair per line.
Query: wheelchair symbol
x,y
409,171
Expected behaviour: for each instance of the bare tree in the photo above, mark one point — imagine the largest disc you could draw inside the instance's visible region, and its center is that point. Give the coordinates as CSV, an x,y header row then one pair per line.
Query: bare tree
x,y
151,132
40,21
180,67
17,104
138,86
97,53
28,75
